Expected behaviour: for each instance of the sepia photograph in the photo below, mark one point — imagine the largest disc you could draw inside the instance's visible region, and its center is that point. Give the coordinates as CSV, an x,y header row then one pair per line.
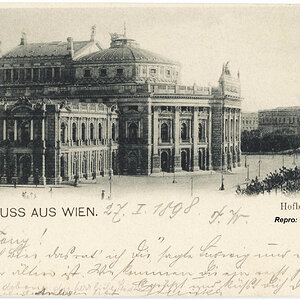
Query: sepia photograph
x,y
149,149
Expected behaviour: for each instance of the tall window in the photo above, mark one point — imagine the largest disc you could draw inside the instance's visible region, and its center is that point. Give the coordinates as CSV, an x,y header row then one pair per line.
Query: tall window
x,y
200,132
63,132
91,131
133,131
87,73
99,131
103,72
184,135
83,131
113,131
74,132
164,132
119,72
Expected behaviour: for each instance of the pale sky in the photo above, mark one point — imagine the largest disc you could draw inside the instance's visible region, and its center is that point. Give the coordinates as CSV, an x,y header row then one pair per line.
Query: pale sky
x,y
263,42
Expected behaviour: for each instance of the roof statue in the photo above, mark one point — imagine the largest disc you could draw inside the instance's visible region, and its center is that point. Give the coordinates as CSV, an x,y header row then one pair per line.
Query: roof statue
x,y
226,68
93,32
124,34
114,36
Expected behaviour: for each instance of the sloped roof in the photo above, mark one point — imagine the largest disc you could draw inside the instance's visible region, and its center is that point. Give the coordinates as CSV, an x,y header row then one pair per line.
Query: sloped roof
x,y
45,49
125,53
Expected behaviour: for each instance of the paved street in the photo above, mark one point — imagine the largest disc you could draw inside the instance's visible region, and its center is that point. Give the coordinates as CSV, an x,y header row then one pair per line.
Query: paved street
x,y
155,186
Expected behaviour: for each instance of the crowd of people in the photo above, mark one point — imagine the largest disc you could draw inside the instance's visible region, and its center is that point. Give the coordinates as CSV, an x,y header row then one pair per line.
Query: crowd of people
x,y
286,180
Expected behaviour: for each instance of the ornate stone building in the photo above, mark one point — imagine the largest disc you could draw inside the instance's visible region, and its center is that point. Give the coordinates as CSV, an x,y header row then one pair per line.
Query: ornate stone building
x,y
249,121
116,110
284,120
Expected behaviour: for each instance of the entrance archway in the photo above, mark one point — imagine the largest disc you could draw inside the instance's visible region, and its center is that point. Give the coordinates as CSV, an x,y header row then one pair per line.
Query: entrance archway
x,y
165,166
132,164
184,160
25,169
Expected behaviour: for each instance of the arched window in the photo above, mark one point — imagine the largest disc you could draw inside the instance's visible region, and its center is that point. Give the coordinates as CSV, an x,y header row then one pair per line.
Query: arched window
x,y
200,132
91,131
25,135
74,132
133,131
83,132
113,131
164,132
99,131
63,132
184,135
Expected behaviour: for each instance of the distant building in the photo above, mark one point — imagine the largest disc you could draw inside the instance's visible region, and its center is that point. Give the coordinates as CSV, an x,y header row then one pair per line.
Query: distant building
x,y
285,120
249,121
75,110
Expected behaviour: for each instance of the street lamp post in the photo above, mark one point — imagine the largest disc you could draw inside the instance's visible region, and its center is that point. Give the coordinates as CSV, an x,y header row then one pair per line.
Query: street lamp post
x,y
245,161
110,185
247,178
222,188
259,163
294,158
283,160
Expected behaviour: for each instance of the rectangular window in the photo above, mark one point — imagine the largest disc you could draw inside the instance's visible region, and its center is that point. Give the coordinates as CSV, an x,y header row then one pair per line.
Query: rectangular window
x,y
87,73
22,75
35,74
16,74
8,75
42,74
119,72
103,72
28,74
56,74
153,71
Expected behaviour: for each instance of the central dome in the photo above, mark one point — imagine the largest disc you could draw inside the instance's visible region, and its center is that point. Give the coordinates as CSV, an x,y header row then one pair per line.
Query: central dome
x,y
126,50
125,61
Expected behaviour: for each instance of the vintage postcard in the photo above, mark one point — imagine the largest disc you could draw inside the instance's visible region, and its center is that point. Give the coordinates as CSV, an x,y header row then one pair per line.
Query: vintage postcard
x,y
149,150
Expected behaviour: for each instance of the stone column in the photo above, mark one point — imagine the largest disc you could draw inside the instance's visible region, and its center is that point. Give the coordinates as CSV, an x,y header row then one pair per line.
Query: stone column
x,y
149,141
4,177
43,177
209,165
234,140
195,137
177,158
230,137
4,129
15,129
239,139
30,179
156,158
31,129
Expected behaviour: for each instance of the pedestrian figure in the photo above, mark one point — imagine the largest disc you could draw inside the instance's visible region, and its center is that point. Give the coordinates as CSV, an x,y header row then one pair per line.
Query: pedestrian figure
x,y
15,183
102,194
94,175
76,180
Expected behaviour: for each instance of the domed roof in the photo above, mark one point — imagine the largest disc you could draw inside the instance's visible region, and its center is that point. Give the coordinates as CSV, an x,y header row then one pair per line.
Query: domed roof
x,y
123,50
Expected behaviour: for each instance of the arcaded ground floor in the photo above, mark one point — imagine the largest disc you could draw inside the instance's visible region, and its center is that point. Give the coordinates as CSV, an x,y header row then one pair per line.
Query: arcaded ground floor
x,y
187,183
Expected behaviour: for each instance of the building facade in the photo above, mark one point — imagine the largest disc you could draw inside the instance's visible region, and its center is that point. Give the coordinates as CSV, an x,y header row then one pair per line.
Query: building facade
x,y
284,120
249,121
75,109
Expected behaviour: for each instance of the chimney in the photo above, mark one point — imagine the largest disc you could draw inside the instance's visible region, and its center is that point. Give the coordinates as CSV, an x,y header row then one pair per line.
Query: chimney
x,y
70,46
23,39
